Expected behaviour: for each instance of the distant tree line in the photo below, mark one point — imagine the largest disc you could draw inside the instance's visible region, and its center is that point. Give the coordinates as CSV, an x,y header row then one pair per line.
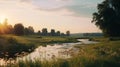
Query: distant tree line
x,y
44,32
19,29
92,34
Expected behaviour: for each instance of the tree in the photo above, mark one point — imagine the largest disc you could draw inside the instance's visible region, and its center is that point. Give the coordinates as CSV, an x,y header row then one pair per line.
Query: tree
x,y
52,32
108,17
39,32
31,30
58,33
26,31
62,34
67,33
44,32
18,29
9,29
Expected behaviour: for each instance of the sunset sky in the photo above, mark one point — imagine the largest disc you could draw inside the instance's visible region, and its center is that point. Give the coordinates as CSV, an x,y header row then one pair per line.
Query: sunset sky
x,y
73,15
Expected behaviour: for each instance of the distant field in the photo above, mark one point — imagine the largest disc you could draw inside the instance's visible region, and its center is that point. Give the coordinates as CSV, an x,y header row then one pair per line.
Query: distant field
x,y
87,35
38,40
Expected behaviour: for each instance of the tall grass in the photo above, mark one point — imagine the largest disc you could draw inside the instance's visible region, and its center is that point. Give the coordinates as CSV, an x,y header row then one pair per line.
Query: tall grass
x,y
106,54
9,47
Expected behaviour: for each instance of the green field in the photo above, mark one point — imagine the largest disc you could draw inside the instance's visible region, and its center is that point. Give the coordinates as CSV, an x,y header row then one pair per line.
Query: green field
x,y
10,45
103,54
38,40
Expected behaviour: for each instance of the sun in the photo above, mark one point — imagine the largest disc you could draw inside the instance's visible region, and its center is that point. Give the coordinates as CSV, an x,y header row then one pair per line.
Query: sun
x,y
2,18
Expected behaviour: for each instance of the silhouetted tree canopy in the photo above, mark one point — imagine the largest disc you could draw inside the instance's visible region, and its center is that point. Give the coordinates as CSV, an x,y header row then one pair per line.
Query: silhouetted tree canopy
x,y
67,33
44,32
108,17
58,33
52,32
62,34
18,29
31,30
39,32
26,31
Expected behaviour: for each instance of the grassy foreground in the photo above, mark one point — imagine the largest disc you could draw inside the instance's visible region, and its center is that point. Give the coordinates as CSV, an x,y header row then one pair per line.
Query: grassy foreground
x,y
104,54
12,46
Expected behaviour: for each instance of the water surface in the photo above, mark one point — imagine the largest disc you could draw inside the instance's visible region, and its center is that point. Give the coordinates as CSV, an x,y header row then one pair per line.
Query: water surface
x,y
53,51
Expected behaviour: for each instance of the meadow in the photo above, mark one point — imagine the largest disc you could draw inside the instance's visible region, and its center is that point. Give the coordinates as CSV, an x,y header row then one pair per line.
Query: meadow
x,y
11,45
103,54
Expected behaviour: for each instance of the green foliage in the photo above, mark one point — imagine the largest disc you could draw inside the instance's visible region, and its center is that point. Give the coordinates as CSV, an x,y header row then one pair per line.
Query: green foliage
x,y
29,30
11,48
11,45
108,17
18,29
44,32
104,54
52,33
68,33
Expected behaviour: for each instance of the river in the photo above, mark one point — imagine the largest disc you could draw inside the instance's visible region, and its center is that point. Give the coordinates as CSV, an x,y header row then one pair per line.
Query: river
x,y
64,50
52,51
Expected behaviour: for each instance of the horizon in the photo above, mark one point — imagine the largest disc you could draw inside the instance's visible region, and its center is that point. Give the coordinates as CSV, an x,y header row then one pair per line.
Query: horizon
x,y
62,15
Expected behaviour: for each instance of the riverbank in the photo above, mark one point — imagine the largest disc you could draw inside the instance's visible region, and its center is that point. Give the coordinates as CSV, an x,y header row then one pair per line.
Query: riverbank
x,y
103,54
11,45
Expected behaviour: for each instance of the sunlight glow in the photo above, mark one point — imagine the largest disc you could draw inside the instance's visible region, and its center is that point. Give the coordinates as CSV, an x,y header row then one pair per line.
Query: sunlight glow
x,y
2,18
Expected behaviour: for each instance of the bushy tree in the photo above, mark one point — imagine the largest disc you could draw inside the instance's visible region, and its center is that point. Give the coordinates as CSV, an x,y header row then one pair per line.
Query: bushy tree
x,y
18,29
108,17
26,31
44,32
52,32
31,30
62,34
58,33
67,33
39,32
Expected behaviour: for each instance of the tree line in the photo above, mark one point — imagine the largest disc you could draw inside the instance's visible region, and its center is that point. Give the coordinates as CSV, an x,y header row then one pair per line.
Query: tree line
x,y
44,32
19,29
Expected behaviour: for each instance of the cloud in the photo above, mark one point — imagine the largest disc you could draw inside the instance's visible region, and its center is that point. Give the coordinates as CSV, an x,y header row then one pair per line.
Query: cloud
x,y
25,1
76,10
76,7
62,0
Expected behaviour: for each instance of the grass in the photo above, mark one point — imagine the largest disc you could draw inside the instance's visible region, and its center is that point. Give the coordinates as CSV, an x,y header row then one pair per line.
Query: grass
x,y
35,39
104,54
10,45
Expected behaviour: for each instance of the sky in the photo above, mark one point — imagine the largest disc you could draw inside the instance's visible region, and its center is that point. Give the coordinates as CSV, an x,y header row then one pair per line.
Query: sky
x,y
62,15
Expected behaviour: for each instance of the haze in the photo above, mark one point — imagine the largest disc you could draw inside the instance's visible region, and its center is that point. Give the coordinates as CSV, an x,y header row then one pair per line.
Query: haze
x,y
73,15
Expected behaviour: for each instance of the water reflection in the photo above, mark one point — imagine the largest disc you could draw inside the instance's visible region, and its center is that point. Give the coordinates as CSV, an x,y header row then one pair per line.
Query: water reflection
x,y
64,50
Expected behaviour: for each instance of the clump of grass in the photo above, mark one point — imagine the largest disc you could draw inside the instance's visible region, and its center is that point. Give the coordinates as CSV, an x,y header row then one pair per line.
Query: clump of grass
x,y
9,47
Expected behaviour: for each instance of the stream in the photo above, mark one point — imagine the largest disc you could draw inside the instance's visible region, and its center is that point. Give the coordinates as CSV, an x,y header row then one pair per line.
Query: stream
x,y
52,51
